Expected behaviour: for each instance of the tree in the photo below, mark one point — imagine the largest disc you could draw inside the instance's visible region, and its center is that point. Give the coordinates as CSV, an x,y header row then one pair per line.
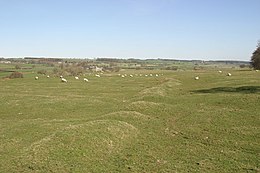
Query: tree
x,y
255,59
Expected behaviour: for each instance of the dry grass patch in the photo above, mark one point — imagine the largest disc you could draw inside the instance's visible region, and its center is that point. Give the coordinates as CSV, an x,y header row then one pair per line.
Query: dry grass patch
x,y
153,91
143,105
128,115
161,89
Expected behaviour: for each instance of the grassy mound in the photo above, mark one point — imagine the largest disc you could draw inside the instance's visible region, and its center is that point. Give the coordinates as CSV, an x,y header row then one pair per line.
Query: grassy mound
x,y
78,146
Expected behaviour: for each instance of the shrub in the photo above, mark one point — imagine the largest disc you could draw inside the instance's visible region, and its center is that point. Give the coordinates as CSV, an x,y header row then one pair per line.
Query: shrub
x,y
116,69
111,69
16,75
74,71
42,71
172,68
55,70
17,67
242,66
198,68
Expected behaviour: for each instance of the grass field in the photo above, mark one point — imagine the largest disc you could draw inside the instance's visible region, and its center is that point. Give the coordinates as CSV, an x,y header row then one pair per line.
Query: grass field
x,y
170,123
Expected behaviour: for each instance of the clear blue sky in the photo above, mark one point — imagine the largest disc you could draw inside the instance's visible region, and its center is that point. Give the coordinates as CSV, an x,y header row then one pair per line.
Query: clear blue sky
x,y
178,29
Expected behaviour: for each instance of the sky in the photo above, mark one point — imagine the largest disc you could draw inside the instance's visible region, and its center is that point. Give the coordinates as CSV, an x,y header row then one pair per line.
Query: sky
x,y
172,29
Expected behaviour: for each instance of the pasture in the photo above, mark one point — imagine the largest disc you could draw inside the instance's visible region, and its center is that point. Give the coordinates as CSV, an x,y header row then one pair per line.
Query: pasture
x,y
166,123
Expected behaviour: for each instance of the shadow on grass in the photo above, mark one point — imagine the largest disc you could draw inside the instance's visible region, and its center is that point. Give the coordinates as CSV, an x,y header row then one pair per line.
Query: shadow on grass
x,y
241,89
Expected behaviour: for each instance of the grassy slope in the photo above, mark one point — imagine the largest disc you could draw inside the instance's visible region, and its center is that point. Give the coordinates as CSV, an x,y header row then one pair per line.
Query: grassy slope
x,y
171,123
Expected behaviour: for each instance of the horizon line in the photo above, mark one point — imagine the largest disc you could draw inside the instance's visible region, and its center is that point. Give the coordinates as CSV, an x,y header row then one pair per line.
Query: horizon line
x,y
126,58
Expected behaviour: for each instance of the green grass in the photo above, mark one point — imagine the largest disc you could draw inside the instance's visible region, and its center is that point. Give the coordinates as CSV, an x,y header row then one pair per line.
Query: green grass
x,y
170,123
